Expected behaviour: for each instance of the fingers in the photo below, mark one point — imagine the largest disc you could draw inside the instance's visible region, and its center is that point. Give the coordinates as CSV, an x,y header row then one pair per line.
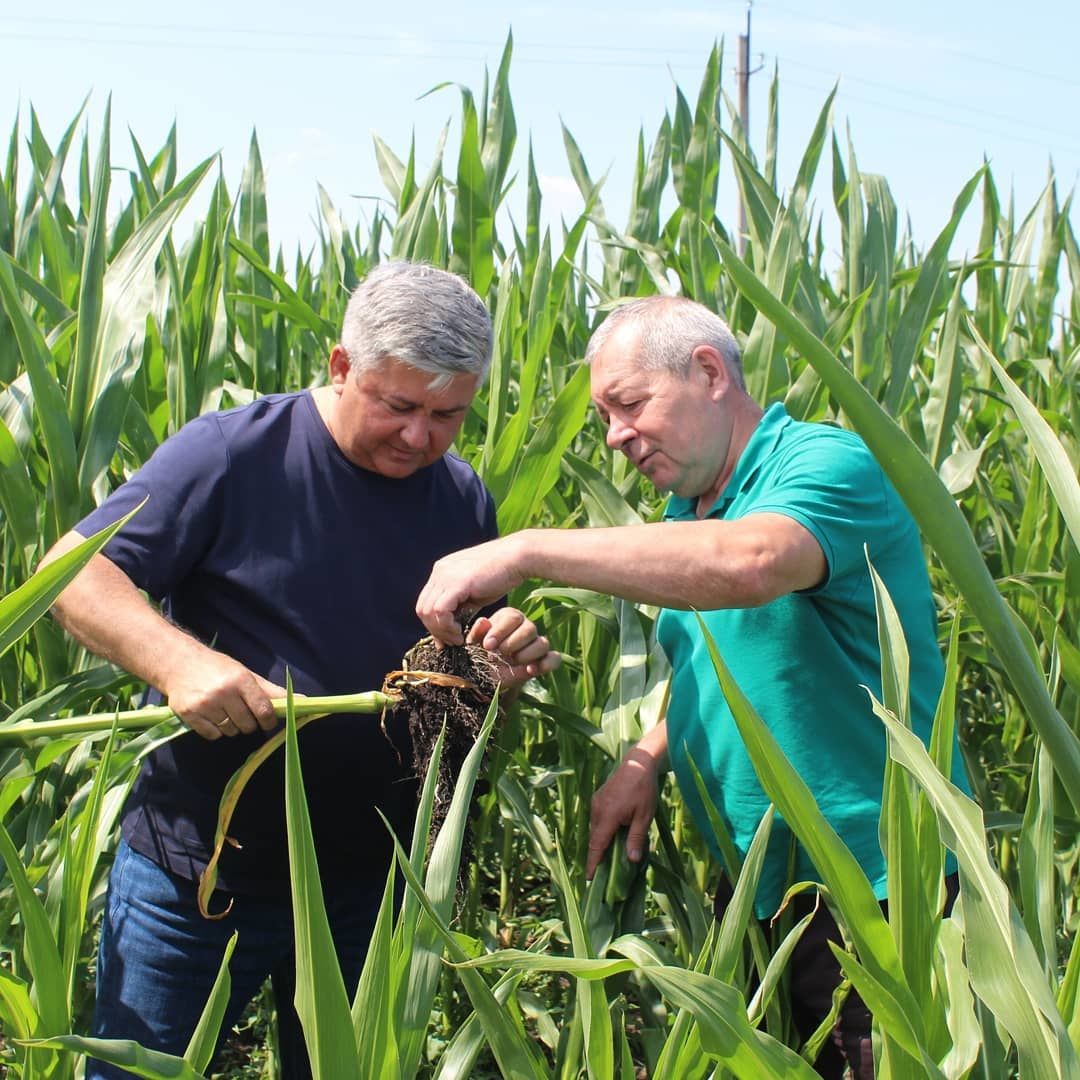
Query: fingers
x,y
546,663
606,813
637,836
437,607
209,729
261,706
627,798
505,632
219,698
226,717
470,578
443,627
600,837
516,641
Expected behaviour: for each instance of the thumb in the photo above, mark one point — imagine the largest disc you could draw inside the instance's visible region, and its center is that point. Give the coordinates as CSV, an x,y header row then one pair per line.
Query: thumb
x,y
272,690
478,630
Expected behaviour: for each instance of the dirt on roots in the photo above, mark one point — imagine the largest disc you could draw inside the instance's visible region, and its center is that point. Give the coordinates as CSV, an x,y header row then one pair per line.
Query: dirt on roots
x,y
453,685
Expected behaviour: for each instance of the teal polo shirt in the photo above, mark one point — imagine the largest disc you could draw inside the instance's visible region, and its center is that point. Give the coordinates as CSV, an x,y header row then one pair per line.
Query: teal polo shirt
x,y
804,659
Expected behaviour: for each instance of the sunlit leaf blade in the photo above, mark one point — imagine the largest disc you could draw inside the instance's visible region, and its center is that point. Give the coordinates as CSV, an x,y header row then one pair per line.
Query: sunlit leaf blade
x,y
1005,968
20,609
127,288
200,1050
1059,469
321,1001
128,1055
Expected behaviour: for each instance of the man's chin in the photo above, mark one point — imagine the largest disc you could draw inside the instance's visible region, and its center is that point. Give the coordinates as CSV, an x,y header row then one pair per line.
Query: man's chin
x,y
397,466
665,485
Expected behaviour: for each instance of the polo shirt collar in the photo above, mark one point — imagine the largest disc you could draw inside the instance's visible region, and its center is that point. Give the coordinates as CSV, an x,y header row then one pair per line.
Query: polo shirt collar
x,y
762,442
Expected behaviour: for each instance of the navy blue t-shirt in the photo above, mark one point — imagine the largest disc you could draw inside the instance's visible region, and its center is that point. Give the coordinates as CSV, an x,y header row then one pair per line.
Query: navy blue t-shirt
x,y
261,538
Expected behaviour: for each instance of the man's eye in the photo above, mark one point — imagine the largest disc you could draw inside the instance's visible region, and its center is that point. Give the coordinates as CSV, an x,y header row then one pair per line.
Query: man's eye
x,y
396,406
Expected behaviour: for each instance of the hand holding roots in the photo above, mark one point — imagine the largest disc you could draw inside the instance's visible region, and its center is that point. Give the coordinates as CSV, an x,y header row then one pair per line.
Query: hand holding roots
x,y
454,685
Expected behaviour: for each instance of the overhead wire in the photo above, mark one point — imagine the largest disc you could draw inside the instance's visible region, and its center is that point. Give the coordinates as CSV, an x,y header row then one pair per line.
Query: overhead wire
x,y
404,51
932,99
951,121
965,54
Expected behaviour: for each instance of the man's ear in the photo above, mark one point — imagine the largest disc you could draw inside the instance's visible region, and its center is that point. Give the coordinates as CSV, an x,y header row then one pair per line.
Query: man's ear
x,y
339,367
713,367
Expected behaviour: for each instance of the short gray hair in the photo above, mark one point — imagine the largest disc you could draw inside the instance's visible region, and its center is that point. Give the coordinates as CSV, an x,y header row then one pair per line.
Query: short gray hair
x,y
421,316
669,328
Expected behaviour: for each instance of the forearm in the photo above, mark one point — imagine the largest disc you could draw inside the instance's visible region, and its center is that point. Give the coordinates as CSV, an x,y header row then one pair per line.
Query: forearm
x,y
681,564
104,611
704,564
212,693
653,745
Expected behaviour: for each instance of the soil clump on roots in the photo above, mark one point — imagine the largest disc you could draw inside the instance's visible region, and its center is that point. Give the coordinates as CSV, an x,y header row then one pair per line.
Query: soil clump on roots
x,y
453,685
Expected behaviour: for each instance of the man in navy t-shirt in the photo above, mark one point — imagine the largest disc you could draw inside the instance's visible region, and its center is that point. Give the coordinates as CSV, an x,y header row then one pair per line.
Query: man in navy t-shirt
x,y
292,534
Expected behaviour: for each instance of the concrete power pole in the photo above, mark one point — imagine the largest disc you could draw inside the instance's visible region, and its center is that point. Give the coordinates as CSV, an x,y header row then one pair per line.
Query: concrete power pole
x,y
743,75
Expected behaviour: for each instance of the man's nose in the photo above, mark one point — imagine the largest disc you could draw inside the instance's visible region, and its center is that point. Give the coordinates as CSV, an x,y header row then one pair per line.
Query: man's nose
x,y
618,433
416,432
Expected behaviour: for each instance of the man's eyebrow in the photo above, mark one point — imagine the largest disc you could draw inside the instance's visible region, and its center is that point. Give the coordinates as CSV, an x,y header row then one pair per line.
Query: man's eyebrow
x,y
619,393
404,402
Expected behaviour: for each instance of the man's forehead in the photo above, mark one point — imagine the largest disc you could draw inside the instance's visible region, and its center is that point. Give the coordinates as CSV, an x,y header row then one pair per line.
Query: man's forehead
x,y
616,363
392,376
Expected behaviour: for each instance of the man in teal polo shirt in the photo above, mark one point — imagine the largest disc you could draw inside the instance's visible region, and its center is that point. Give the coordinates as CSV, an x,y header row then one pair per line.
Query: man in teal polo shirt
x,y
766,533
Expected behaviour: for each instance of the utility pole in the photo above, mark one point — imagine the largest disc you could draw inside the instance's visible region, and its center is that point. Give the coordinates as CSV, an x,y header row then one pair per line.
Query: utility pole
x,y
743,75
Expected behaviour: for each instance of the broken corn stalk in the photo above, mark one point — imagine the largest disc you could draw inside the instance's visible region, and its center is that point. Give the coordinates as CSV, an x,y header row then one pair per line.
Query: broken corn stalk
x,y
371,701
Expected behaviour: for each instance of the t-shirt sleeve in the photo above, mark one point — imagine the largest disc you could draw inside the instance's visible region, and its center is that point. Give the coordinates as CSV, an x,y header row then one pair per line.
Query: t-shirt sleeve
x,y
183,485
834,488
491,518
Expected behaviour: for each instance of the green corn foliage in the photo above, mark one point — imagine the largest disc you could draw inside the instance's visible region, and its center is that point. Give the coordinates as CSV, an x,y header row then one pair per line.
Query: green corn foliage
x,y
960,375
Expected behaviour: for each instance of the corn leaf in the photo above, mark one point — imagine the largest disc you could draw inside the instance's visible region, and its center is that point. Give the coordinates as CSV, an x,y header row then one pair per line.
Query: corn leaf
x,y
129,1055
1005,968
321,1001
200,1049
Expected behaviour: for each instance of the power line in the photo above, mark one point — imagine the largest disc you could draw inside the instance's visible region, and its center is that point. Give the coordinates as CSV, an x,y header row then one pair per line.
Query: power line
x,y
891,107
1023,121
966,54
390,54
293,34
548,60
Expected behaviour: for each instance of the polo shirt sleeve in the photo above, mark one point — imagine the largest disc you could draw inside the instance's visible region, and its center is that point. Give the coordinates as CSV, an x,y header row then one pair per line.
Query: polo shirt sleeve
x,y
833,486
183,484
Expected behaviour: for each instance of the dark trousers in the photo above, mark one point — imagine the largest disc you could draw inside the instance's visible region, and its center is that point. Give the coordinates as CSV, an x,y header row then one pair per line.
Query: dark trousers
x,y
158,958
814,975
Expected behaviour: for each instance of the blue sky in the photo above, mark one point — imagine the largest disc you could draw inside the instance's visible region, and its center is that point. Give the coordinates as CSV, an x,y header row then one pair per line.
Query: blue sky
x,y
926,89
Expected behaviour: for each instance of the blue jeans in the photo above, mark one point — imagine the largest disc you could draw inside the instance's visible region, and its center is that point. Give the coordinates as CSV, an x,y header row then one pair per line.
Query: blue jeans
x,y
158,958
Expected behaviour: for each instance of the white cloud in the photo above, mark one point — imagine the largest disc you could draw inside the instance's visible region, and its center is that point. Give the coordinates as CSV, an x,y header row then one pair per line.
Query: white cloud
x,y
561,197
315,144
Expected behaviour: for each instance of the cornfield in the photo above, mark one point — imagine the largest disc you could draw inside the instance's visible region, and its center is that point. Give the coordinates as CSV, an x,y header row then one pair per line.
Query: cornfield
x,y
961,376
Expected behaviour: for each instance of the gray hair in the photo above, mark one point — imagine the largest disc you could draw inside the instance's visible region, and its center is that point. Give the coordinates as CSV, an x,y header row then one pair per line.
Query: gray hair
x,y
669,328
421,316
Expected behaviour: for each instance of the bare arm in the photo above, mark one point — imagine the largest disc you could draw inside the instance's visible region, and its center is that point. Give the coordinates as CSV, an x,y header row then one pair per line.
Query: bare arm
x,y
212,693
684,564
